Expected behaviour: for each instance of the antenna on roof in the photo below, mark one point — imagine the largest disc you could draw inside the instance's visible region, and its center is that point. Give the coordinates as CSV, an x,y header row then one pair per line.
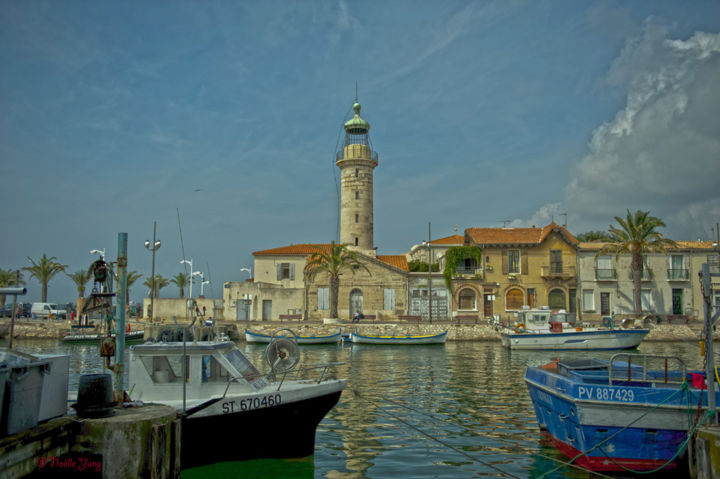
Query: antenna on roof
x,y
504,222
565,221
356,95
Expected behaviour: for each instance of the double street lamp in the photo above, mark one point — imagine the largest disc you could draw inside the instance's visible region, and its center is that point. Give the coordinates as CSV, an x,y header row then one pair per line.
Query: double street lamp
x,y
154,246
192,273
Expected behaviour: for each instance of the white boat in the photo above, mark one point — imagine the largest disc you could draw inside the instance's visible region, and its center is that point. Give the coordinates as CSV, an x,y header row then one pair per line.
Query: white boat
x,y
252,337
75,336
555,330
221,390
404,339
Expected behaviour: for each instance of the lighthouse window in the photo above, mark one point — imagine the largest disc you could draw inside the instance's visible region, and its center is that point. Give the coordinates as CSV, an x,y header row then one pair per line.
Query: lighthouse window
x,y
356,241
357,217
357,195
357,172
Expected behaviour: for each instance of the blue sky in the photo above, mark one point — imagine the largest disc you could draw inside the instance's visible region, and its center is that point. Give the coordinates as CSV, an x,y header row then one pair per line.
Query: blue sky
x,y
118,114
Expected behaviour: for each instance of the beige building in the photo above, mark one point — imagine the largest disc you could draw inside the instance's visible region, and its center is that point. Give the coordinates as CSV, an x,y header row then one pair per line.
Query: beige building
x,y
670,285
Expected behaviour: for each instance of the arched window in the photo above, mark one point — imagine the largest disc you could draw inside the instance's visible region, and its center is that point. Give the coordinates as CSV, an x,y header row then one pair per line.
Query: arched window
x,y
466,300
556,299
514,299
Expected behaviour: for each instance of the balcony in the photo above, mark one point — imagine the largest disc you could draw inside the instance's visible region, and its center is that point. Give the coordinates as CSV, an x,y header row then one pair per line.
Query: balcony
x,y
557,272
605,274
678,274
464,272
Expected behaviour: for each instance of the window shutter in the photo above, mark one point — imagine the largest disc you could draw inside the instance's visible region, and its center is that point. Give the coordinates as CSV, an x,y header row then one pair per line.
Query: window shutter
x,y
504,261
279,271
389,299
292,270
524,260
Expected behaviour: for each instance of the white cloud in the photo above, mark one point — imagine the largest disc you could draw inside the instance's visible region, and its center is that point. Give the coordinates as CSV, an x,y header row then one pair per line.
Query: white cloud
x,y
661,152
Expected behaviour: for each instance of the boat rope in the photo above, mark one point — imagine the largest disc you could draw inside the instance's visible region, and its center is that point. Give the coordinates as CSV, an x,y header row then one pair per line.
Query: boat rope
x,y
708,414
683,387
429,436
468,429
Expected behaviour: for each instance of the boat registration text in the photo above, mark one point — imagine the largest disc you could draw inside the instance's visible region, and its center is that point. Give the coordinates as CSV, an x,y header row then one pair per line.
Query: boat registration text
x,y
251,403
606,394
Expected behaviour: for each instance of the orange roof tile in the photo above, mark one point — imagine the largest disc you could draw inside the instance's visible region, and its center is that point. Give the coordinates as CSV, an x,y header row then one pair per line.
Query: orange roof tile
x,y
397,260
532,235
299,249
451,240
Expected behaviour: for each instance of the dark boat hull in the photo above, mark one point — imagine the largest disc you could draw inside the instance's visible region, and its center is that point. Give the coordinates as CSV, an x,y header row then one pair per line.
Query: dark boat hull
x,y
255,434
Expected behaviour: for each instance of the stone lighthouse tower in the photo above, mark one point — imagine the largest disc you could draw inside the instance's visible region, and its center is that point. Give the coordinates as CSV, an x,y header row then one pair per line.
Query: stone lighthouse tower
x,y
357,161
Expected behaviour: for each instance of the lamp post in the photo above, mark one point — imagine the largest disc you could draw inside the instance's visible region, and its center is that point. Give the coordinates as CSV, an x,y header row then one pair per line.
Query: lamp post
x,y
101,252
154,246
248,271
202,284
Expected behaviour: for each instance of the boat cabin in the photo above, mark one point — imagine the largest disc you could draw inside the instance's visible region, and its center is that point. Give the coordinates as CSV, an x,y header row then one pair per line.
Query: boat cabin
x,y
157,372
542,319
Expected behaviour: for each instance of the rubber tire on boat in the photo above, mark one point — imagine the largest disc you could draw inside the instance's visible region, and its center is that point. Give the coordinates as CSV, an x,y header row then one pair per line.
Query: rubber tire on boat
x,y
178,335
150,340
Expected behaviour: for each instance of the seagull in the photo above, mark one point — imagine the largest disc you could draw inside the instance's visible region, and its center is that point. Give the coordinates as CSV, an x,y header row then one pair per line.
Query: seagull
x,y
197,189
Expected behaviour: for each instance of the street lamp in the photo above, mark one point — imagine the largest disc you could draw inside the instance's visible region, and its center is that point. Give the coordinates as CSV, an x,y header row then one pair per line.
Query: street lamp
x,y
154,246
248,271
101,252
202,284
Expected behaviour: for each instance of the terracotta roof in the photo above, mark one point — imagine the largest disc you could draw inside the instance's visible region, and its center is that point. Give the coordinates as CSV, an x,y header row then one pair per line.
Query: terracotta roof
x,y
397,260
517,235
451,240
299,249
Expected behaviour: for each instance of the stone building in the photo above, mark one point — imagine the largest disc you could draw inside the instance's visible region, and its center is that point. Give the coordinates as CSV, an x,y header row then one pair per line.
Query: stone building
x,y
670,287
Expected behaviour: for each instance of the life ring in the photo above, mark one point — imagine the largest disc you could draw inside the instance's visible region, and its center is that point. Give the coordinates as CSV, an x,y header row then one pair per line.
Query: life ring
x,y
520,328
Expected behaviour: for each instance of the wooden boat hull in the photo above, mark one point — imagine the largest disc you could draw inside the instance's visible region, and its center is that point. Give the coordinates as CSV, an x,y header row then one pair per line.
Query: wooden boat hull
x,y
356,338
252,337
606,339
136,336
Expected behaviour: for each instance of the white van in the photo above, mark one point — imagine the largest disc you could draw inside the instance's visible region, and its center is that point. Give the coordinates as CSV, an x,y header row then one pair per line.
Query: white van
x,y
47,310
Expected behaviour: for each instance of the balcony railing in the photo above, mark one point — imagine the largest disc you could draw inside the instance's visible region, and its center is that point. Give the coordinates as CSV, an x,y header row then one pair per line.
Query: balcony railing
x,y
678,274
557,271
461,270
605,274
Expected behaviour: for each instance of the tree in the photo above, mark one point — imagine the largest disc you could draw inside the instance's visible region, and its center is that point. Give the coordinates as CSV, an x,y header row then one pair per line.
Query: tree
x,y
44,270
132,276
8,279
595,237
333,261
160,283
637,236
80,278
417,266
181,280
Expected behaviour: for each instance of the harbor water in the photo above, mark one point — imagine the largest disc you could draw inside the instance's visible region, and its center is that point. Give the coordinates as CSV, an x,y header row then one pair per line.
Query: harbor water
x,y
438,411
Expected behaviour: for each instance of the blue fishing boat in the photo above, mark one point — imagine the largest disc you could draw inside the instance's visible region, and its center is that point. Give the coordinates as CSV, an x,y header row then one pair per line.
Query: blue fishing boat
x,y
399,338
252,337
619,414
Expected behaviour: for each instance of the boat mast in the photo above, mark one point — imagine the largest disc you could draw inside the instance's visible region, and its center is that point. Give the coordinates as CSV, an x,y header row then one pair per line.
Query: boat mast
x,y
710,318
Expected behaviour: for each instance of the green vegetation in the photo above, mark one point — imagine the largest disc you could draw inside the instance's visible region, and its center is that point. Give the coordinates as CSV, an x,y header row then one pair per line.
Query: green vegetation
x,y
44,270
80,278
637,236
8,278
418,266
454,256
595,237
181,280
333,262
160,283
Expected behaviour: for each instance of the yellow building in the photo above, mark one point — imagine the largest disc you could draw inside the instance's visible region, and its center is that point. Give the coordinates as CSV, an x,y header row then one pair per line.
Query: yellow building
x,y
519,267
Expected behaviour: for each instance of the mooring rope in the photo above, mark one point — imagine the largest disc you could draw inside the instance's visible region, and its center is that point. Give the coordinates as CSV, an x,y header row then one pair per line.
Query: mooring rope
x,y
683,387
450,446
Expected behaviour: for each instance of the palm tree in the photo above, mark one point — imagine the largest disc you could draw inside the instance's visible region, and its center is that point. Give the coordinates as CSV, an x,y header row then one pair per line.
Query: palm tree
x,y
333,261
132,276
44,270
9,278
181,280
160,283
637,236
80,278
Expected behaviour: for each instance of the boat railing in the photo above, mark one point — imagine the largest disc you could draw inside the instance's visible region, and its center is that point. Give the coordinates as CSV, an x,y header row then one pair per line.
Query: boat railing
x,y
295,372
642,360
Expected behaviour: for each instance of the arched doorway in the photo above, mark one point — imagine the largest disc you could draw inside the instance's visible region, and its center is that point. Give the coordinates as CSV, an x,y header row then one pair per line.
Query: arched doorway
x,y
514,299
556,299
466,300
356,301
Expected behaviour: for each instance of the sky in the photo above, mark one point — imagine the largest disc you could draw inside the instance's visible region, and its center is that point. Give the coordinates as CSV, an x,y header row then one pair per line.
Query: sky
x,y
220,120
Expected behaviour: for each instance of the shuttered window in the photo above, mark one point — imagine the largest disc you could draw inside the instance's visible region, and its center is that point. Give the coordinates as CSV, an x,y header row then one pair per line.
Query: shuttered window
x,y
513,261
323,298
285,271
588,298
514,299
388,299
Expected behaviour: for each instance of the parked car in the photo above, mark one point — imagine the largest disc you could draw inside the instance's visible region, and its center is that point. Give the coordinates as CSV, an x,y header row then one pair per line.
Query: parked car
x,y
6,310
23,310
47,310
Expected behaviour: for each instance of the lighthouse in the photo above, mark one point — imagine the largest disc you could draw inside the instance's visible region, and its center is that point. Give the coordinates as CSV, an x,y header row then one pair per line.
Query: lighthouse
x,y
357,161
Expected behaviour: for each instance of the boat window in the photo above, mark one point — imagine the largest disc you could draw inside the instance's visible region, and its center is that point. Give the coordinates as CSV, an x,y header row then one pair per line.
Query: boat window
x,y
213,371
245,368
164,369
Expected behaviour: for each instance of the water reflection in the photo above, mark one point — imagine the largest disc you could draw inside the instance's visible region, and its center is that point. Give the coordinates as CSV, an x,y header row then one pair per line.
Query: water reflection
x,y
457,410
